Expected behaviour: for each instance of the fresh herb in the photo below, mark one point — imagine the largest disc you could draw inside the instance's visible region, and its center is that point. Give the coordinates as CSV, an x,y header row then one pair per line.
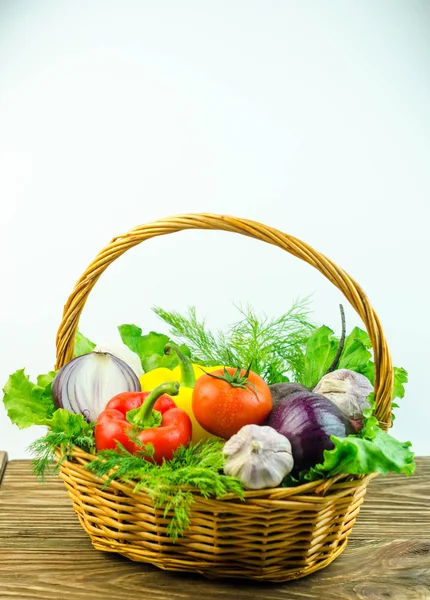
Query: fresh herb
x,y
198,466
275,346
66,430
29,403
150,347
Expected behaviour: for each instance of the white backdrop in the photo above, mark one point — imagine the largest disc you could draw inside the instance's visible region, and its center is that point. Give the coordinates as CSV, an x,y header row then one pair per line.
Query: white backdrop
x,y
311,117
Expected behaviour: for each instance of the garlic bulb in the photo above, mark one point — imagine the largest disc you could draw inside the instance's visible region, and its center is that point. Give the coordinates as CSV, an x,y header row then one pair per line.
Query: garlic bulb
x,y
348,390
258,456
124,353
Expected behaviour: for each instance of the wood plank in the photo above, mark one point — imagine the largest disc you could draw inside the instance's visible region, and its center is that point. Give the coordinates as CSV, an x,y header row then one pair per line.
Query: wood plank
x,y
398,570
45,555
3,462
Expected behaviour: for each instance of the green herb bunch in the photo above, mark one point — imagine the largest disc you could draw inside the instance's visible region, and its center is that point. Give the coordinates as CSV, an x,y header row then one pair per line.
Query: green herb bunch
x,y
66,430
198,466
273,346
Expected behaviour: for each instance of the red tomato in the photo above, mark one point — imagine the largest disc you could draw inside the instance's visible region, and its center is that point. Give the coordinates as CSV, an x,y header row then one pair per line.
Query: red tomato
x,y
222,408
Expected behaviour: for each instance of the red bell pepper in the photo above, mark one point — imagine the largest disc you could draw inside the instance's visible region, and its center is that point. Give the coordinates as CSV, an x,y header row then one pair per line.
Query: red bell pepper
x,y
154,417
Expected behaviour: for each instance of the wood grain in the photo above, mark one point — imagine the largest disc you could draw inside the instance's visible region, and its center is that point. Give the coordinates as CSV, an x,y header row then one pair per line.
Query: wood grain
x,y
3,461
45,555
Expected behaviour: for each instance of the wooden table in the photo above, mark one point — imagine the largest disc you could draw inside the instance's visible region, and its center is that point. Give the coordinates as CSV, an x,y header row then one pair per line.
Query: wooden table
x,y
44,553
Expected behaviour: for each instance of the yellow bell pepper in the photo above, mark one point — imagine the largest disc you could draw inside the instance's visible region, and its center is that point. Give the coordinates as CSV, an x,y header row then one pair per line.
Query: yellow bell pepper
x,y
199,371
152,379
186,373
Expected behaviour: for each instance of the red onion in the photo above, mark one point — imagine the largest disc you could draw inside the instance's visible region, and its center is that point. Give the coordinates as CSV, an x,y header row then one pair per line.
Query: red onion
x,y
308,420
87,383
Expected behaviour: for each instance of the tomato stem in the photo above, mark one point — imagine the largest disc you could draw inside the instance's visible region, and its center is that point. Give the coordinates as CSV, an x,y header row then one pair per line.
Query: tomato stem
x,y
236,379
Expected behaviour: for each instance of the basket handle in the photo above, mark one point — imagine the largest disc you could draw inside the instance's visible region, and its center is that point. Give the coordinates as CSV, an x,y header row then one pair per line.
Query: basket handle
x,y
352,291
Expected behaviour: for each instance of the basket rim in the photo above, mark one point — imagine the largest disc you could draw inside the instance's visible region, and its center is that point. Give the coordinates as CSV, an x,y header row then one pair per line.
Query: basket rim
x,y
319,491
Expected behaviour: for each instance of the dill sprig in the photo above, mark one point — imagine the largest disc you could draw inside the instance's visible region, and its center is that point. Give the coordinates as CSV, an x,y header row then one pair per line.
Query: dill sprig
x,y
168,485
66,431
274,345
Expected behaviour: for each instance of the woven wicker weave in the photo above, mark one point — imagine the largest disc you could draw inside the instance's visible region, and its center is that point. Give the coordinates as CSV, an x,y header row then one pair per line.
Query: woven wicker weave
x,y
274,535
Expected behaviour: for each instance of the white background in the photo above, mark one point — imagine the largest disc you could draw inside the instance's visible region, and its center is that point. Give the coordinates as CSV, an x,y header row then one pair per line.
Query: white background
x,y
310,116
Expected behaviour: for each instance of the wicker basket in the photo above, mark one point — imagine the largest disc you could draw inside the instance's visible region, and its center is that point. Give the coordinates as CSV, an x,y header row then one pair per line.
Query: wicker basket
x,y
275,534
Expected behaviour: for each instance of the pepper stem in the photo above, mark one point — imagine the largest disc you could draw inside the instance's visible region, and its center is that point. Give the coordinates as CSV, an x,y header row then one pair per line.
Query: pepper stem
x,y
188,379
144,417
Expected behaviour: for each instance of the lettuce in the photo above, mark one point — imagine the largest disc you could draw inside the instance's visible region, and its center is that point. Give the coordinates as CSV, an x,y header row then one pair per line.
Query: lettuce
x,y
29,403
321,349
150,347
372,450
82,344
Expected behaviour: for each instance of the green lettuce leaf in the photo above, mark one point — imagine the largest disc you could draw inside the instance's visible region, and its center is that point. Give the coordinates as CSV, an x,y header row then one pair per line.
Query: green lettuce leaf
x,y
150,347
370,451
357,334
74,425
82,344
320,351
356,356
28,403
400,378
169,361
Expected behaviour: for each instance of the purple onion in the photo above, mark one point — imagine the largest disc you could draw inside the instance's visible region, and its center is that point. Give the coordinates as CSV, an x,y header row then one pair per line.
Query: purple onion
x,y
86,383
308,420
282,391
